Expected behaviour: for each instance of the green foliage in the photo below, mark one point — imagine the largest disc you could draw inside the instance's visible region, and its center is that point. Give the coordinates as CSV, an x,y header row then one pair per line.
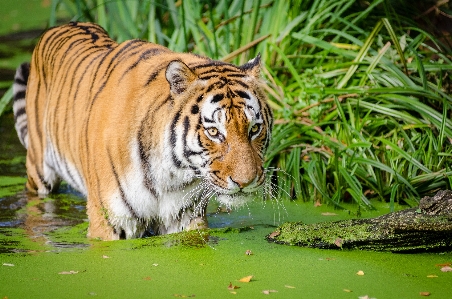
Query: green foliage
x,y
361,94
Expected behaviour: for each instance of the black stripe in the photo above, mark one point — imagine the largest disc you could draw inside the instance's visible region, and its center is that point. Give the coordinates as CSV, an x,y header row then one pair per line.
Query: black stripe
x,y
114,61
173,140
217,85
210,63
240,83
147,54
23,133
187,151
41,179
19,95
144,151
216,98
154,75
121,191
18,113
240,75
243,94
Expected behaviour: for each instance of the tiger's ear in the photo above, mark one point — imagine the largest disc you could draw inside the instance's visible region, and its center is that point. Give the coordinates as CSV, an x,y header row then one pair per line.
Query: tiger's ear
x,y
253,67
179,76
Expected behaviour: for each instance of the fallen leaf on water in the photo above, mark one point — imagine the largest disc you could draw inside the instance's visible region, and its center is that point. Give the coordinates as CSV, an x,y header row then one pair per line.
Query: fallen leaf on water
x,y
68,272
446,269
426,294
248,252
147,278
360,273
443,265
105,257
347,290
330,258
432,276
366,297
8,265
267,292
328,214
233,292
155,265
274,234
232,287
289,287
246,278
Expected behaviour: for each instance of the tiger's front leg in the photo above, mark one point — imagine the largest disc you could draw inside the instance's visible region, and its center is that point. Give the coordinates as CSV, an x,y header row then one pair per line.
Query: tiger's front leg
x,y
99,225
187,219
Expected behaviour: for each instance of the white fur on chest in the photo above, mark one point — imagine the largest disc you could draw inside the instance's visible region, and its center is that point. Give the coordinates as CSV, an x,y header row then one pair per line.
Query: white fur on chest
x,y
173,191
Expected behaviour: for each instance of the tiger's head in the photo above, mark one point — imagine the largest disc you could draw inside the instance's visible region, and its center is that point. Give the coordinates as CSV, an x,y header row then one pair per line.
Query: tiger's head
x,y
223,125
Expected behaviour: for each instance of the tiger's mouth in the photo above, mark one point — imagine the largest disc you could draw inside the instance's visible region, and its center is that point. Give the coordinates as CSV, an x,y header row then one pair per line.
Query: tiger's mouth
x,y
234,190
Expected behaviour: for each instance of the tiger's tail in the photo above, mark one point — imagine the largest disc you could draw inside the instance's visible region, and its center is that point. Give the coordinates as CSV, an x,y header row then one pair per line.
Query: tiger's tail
x,y
20,115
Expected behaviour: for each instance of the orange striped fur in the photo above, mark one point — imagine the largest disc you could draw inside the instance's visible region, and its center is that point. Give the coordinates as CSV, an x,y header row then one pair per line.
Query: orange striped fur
x,y
147,134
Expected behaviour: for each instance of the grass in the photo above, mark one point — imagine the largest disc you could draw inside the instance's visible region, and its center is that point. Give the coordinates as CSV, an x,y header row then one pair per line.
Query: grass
x,y
361,93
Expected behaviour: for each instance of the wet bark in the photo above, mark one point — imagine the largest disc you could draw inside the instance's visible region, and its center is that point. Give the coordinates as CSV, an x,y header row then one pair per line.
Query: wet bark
x,y
426,228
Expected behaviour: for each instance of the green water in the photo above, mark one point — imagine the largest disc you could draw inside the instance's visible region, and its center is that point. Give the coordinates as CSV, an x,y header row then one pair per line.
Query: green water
x,y
43,238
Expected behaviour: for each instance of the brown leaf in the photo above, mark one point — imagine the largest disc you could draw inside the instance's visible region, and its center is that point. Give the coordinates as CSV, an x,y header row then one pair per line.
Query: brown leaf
x,y
426,294
147,278
246,278
443,265
338,242
446,269
328,214
232,287
274,234
248,252
317,204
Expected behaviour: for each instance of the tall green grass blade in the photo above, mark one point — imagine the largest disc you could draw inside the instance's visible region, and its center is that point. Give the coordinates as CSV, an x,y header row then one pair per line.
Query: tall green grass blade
x,y
6,98
361,54
395,42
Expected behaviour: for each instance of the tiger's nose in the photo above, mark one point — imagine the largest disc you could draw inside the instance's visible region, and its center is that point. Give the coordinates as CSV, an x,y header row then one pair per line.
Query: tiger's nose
x,y
242,183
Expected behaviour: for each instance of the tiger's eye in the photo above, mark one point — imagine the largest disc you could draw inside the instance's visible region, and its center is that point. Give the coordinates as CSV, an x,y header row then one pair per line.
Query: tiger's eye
x,y
212,131
254,128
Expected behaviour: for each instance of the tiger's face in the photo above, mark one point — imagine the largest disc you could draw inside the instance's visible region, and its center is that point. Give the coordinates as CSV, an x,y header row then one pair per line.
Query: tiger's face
x,y
224,126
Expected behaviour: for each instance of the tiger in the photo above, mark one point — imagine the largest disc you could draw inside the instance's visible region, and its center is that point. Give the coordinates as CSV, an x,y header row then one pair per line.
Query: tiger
x,y
146,134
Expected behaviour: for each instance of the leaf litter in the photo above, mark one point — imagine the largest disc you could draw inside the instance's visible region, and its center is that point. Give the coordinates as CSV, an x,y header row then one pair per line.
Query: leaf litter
x,y
68,272
246,278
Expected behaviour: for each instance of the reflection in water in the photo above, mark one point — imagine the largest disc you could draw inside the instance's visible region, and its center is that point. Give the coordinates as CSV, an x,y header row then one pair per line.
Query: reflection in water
x,y
37,216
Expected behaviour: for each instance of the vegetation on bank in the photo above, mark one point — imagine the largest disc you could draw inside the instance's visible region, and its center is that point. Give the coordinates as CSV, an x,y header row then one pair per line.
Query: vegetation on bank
x,y
361,93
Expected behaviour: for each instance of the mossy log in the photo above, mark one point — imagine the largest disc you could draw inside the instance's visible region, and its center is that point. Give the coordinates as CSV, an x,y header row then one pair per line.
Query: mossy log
x,y
426,228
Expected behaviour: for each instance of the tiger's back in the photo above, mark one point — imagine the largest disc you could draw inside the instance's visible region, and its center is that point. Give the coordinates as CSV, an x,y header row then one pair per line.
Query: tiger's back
x,y
128,126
